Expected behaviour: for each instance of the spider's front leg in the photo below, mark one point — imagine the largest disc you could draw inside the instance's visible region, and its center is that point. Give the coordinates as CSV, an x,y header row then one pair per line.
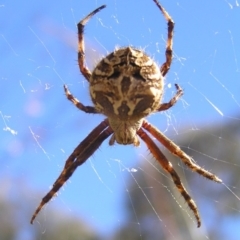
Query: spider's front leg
x,y
167,166
81,153
177,151
79,105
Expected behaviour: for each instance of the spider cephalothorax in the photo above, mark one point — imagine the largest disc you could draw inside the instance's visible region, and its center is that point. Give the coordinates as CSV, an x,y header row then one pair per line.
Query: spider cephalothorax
x,y
126,86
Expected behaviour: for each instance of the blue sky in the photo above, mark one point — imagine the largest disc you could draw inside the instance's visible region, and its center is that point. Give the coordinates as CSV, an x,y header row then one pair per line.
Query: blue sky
x,y
40,128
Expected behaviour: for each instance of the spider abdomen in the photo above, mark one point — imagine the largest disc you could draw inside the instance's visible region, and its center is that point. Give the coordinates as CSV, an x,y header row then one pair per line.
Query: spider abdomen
x,y
126,84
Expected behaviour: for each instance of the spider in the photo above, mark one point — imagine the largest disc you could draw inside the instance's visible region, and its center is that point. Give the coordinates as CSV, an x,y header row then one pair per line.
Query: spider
x,y
126,86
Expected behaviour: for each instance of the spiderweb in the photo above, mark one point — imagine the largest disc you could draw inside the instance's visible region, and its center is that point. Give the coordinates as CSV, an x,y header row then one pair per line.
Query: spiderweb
x,y
121,192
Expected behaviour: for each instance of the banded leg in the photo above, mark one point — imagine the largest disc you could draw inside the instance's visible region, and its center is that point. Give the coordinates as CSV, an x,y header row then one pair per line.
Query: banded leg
x,y
166,106
81,55
177,151
82,152
79,105
84,144
166,66
167,166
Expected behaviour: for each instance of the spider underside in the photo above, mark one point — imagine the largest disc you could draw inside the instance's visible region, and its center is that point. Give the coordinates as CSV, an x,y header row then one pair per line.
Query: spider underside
x,y
126,86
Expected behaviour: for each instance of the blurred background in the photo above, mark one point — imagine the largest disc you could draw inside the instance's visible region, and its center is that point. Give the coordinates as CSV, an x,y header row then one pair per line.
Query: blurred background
x,y
120,192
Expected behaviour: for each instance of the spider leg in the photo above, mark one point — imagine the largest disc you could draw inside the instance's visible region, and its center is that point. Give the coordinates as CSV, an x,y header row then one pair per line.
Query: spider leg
x,y
79,105
167,166
81,56
81,153
84,144
178,94
174,149
166,66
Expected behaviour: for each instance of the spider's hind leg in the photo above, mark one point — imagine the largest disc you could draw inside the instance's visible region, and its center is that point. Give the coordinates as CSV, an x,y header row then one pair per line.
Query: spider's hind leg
x,y
168,53
81,55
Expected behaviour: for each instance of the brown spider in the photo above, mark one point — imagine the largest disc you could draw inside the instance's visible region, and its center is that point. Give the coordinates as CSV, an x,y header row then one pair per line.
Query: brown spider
x,y
126,86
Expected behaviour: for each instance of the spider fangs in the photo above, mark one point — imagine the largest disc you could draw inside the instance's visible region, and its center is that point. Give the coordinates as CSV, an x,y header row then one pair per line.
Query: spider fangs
x,y
126,86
